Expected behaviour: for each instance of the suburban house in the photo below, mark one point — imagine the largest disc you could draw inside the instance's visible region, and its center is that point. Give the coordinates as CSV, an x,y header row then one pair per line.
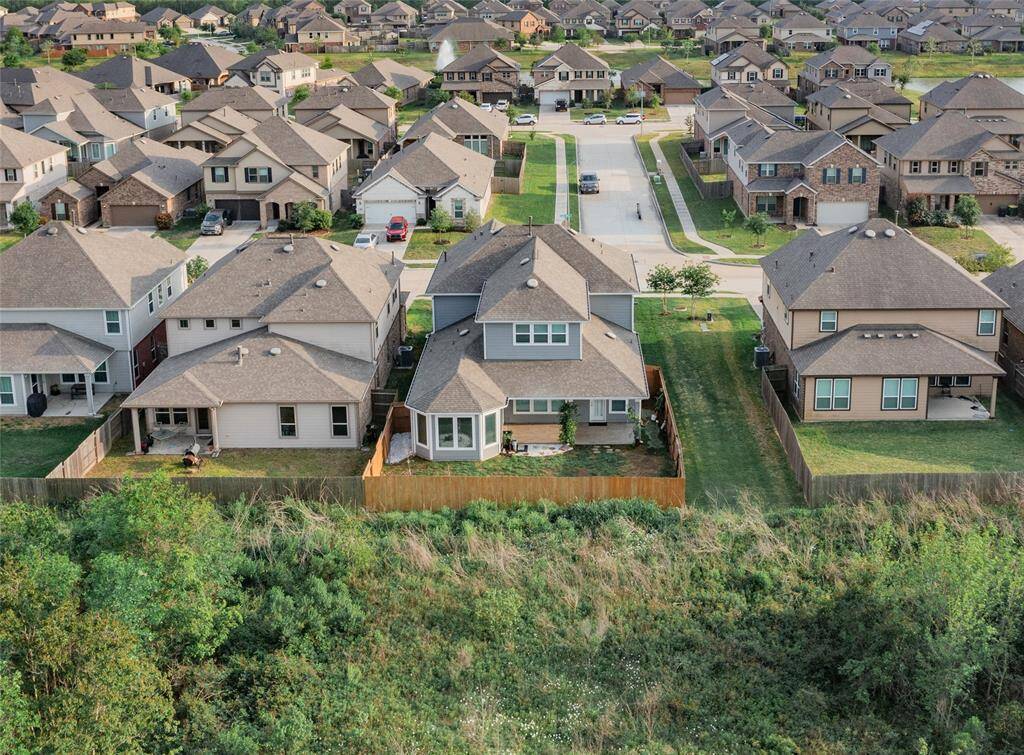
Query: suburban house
x,y
30,168
979,94
80,343
757,14
1008,284
384,74
365,101
433,172
781,9
929,35
290,368
748,63
252,15
130,72
658,76
636,17
147,108
264,172
395,15
256,102
441,12
952,8
367,139
464,123
721,108
99,37
940,158
526,22
21,88
871,324
87,130
467,34
526,318
1000,38
279,71
211,15
863,29
842,64
877,93
489,9
590,15
688,18
812,177
212,131
355,12
205,66
317,33
726,33
486,74
838,109
571,74
802,31
71,201
160,17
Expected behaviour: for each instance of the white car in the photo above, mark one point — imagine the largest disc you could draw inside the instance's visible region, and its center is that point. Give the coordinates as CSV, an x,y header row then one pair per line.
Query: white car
x,y
526,119
629,119
501,106
487,107
366,241
595,119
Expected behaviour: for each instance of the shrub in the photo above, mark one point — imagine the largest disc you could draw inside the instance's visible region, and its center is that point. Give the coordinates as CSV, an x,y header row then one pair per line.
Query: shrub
x,y
917,212
73,59
471,222
567,422
307,217
986,263
164,221
195,267
942,218
497,613
25,219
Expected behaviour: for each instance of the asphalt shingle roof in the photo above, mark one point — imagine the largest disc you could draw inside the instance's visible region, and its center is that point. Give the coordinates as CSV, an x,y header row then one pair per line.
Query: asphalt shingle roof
x,y
435,162
1008,284
44,348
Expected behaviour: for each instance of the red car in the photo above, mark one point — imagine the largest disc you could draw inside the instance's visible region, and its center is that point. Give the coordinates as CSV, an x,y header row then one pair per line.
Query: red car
x,y
398,229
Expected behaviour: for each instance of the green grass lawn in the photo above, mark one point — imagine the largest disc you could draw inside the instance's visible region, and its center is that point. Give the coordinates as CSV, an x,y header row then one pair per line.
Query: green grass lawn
x,y
952,241
8,240
918,446
668,209
707,213
418,322
344,236
423,244
409,114
582,461
538,197
183,234
653,113
32,447
572,169
251,462
728,440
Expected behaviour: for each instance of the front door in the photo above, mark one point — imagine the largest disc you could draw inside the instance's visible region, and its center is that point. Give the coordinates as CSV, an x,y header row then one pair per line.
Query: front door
x,y
598,411
202,421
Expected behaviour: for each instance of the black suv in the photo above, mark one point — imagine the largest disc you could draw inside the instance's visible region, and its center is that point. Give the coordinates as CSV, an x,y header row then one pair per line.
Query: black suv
x,y
561,106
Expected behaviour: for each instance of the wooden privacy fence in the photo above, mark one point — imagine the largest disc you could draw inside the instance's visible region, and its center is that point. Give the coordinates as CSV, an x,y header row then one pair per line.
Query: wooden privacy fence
x,y
94,448
510,169
822,489
666,417
700,168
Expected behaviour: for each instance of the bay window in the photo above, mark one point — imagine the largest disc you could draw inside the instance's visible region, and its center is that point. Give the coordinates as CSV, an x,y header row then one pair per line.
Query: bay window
x,y
490,429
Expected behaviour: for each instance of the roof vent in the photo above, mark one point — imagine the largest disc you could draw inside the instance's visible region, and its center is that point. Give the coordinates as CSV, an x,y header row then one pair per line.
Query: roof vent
x,y
320,283
866,335
335,247
532,283
869,233
51,231
852,229
464,332
275,351
524,260
288,248
81,230
914,335
879,335
610,335
890,233
899,335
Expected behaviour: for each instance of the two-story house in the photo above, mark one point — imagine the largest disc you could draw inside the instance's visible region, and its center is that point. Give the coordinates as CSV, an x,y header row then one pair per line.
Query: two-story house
x,y
152,111
98,37
30,167
842,64
863,29
980,94
871,324
718,109
839,109
210,16
355,12
161,17
395,15
589,15
291,367
941,158
570,74
688,18
272,69
317,32
748,63
367,140
82,342
758,14
484,73
205,66
128,72
802,31
441,12
212,131
265,172
530,24
489,9
256,102
87,130
365,101
464,123
726,33
467,34
384,74
660,77
526,318
813,177
636,17
1008,284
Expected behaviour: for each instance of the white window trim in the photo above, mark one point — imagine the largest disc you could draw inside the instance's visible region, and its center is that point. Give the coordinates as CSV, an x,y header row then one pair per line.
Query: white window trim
x,y
821,321
184,324
455,432
533,325
295,423
209,320
232,321
330,418
995,319
120,330
611,404
106,379
497,430
12,393
548,401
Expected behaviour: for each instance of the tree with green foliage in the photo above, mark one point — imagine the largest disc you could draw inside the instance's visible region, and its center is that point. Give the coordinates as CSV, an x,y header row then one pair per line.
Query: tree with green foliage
x,y
195,267
584,37
874,49
728,218
930,47
471,221
759,225
687,46
73,59
765,31
171,34
394,93
697,282
968,212
15,47
24,218
568,423
440,223
558,35
149,48
521,40
326,64
307,217
664,280
46,48
300,94
436,96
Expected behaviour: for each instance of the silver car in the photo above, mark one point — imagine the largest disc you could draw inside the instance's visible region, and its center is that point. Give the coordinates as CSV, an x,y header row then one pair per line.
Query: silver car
x,y
526,119
213,223
366,241
629,119
595,119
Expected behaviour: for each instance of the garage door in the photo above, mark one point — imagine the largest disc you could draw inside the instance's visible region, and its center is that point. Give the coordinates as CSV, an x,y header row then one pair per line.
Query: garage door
x,y
133,214
550,98
678,96
379,212
243,209
990,204
842,213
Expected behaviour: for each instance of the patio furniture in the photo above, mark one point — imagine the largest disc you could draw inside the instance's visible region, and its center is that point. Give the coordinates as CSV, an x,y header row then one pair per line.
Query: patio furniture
x,y
78,391
163,433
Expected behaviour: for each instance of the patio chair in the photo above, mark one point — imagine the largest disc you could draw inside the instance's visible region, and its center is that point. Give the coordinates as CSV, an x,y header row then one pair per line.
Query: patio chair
x,y
78,391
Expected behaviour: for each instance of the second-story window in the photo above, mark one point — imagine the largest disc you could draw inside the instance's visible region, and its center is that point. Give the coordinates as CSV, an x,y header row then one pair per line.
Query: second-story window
x,y
915,166
112,318
541,333
778,73
979,168
828,320
10,174
986,322
830,175
954,166
257,175
857,175
767,169
316,171
219,175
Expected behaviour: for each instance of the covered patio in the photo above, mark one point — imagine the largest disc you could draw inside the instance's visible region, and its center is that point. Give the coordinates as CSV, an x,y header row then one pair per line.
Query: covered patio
x,y
959,408
173,430
614,434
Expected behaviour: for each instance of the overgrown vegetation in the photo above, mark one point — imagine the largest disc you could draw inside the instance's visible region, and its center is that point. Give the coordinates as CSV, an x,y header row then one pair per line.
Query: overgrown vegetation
x,y
149,620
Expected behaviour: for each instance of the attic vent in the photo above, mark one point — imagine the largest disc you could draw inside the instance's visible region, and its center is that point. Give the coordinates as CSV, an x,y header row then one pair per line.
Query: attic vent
x,y
879,335
610,335
890,233
866,335
852,229
51,231
847,97
899,335
288,248
464,332
524,260
869,233
320,283
335,247
275,351
532,283
81,230
914,335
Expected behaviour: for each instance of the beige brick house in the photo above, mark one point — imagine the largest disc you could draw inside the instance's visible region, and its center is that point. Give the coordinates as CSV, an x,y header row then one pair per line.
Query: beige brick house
x,y
98,37
486,74
871,324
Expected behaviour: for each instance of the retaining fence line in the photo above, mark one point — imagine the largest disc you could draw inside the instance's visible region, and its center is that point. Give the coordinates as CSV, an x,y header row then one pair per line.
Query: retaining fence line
x,y
699,168
94,448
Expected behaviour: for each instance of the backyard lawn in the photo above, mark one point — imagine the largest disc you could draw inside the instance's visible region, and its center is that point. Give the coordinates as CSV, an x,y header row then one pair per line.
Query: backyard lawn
x,y
707,213
9,240
728,440
418,322
919,446
423,244
183,234
538,197
252,462
572,170
668,209
582,461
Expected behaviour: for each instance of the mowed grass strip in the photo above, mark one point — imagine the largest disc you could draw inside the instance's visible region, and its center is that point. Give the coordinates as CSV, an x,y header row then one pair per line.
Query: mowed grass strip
x,y
572,169
729,443
538,197
669,216
423,243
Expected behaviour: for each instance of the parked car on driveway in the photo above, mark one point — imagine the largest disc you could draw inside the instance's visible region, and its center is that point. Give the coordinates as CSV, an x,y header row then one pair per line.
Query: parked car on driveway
x,y
590,183
398,229
561,106
629,119
595,119
487,107
214,223
501,106
526,119
366,241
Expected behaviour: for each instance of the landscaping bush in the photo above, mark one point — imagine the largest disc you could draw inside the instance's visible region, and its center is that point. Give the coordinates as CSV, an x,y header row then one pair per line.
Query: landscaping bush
x,y
307,217
164,221
987,263
196,267
25,219
942,218
918,212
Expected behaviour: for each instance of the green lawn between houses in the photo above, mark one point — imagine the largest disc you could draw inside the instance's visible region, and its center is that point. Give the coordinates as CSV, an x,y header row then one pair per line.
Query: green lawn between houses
x,y
183,234
423,243
419,320
33,447
538,197
572,169
582,461
8,240
668,208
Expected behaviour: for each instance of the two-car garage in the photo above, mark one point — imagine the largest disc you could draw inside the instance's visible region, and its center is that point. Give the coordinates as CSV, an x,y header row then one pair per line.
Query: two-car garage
x,y
240,209
133,215
377,212
842,213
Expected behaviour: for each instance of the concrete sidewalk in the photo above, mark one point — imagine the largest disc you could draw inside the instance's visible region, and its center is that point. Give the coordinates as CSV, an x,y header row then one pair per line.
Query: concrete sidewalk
x,y
561,181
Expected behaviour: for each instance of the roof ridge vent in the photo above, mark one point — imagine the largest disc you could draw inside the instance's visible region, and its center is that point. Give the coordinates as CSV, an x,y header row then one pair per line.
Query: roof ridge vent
x,y
915,335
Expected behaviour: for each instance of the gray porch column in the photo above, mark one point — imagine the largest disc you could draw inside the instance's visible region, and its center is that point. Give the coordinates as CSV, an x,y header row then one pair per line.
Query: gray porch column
x,y
135,430
214,429
88,394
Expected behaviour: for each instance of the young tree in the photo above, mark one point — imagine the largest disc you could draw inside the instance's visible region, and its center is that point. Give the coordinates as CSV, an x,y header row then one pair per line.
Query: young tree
x,y
520,40
74,58
974,48
301,93
930,47
327,64
471,222
765,31
307,217
196,267
567,423
585,37
558,34
968,212
170,34
440,223
46,48
664,280
688,46
607,98
24,218
728,218
874,49
697,282
758,224
902,78
394,93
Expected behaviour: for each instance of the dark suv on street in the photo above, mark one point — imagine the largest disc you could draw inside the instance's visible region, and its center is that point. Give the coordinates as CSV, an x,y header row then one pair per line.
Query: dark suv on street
x,y
590,183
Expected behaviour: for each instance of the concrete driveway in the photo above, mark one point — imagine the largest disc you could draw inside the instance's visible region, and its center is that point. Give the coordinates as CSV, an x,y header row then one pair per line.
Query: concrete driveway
x,y
1006,231
398,247
212,248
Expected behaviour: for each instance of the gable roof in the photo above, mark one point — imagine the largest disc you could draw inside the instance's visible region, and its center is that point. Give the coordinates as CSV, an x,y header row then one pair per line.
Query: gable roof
x,y
471,30
290,142
239,98
890,269
44,348
1008,284
480,57
457,116
282,61
386,73
949,135
928,29
346,117
128,71
356,97
20,149
844,55
85,115
979,90
198,61
804,147
748,52
435,162
109,271
573,56
131,99
657,70
24,87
